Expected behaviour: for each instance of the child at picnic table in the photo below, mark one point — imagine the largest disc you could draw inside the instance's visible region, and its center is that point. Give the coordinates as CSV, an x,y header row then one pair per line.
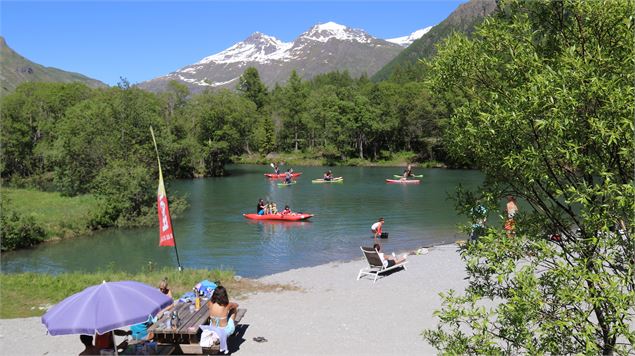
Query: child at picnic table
x,y
89,348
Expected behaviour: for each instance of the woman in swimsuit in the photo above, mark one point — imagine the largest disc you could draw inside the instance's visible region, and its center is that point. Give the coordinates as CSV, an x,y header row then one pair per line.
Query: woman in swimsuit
x,y
220,309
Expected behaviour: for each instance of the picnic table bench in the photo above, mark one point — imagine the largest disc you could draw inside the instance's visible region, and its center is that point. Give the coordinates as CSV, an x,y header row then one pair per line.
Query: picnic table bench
x,y
187,334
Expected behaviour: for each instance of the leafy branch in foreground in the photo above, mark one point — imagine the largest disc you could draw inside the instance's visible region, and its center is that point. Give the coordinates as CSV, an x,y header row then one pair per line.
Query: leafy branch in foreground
x,y
548,118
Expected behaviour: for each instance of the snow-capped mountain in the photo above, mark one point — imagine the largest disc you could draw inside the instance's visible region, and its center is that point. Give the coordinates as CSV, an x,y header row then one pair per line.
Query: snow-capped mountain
x,y
405,41
322,48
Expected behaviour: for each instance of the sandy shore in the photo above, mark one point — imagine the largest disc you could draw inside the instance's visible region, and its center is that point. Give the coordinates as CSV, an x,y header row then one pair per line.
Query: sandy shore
x,y
334,314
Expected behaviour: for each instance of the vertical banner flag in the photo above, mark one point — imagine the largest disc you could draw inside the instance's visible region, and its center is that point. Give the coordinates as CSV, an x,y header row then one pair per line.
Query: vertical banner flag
x,y
166,237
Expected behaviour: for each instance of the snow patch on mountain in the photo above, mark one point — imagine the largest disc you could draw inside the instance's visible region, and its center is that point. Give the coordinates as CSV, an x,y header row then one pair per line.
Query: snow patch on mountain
x,y
256,48
326,31
406,41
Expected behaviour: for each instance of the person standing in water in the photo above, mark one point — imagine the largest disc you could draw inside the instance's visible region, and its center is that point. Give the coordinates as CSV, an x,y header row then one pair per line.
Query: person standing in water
x,y
376,229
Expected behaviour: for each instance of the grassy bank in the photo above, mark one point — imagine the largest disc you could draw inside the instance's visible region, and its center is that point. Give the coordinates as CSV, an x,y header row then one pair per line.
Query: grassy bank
x,y
31,294
61,217
400,159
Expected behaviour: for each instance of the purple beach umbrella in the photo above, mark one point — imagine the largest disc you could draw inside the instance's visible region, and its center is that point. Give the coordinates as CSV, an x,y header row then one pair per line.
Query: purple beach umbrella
x,y
105,307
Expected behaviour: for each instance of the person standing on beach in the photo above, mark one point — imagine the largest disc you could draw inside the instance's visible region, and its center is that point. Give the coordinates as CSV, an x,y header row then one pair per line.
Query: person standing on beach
x,y
376,229
512,210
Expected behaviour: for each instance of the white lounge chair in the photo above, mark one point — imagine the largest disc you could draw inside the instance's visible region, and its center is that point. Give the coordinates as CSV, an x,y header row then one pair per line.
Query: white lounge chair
x,y
375,266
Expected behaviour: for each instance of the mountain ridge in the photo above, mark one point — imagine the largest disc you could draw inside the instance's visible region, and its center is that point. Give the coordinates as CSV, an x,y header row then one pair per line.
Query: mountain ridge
x,y
16,69
463,19
322,48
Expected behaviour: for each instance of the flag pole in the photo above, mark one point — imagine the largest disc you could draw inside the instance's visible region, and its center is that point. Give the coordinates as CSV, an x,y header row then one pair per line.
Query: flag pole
x,y
166,225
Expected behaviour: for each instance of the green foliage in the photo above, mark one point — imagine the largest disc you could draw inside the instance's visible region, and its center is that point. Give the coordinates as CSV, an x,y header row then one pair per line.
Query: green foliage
x,y
29,117
18,230
548,118
253,88
127,190
58,215
222,123
405,67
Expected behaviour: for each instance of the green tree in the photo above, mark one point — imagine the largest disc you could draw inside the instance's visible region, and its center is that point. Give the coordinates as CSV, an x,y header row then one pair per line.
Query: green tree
x,y
175,98
222,126
253,88
29,116
548,118
294,104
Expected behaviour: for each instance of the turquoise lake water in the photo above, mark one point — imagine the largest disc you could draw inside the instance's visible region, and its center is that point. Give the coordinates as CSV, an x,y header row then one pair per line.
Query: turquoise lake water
x,y
212,233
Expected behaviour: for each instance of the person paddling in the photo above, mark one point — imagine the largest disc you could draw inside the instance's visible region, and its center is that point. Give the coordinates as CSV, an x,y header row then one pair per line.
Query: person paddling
x,y
328,176
287,176
408,171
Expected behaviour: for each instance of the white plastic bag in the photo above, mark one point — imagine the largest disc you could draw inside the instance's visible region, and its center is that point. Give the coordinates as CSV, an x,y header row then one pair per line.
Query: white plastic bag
x,y
208,338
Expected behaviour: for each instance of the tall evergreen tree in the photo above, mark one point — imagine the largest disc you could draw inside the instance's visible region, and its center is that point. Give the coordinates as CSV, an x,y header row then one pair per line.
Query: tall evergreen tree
x,y
253,88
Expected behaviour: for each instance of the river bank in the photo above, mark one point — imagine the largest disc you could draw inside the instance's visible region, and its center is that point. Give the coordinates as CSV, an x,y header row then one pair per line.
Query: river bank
x,y
330,313
400,159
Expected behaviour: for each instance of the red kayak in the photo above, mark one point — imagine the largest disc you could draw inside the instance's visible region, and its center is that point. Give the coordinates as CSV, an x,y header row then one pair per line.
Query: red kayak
x,y
281,175
399,181
280,217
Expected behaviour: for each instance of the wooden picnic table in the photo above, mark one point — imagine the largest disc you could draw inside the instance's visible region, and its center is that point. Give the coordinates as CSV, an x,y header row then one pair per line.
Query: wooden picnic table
x,y
187,332
141,349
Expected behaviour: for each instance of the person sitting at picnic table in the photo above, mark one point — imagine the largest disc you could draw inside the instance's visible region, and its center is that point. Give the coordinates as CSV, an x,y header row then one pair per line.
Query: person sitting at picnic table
x,y
89,348
163,287
105,341
222,313
140,331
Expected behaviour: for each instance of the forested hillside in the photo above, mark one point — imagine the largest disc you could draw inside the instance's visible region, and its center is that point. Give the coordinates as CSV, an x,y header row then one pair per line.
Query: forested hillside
x,y
15,69
462,20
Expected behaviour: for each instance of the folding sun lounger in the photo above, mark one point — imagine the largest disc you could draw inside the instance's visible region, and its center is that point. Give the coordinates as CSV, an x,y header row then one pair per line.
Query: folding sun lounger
x,y
375,266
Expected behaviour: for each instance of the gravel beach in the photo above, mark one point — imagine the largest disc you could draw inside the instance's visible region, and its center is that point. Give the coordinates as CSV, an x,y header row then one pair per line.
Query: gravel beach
x,y
333,314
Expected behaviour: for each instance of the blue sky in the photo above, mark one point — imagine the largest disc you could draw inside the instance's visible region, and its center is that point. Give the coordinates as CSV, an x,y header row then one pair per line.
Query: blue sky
x,y
141,40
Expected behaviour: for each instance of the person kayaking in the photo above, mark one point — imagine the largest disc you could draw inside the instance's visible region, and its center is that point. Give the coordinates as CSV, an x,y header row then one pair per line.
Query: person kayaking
x,y
260,210
286,210
287,176
276,169
328,176
408,171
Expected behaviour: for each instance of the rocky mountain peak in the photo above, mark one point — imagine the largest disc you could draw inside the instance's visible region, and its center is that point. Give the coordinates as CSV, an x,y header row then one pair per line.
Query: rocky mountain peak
x,y
405,41
257,47
326,31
